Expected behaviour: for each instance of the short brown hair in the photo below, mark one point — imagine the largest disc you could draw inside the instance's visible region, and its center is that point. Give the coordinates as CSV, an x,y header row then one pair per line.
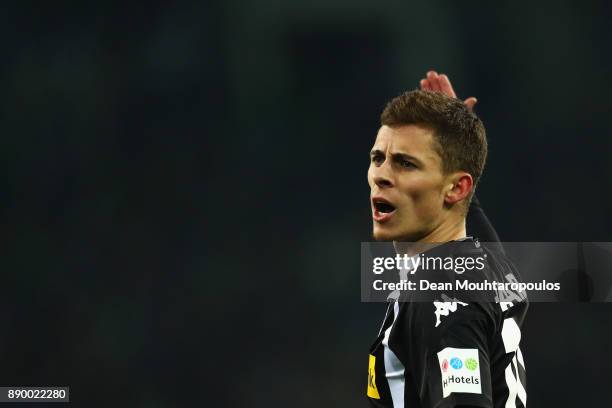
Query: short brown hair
x,y
459,135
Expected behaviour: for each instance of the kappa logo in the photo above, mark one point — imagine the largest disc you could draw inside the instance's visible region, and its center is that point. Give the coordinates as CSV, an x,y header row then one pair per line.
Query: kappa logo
x,y
372,390
445,308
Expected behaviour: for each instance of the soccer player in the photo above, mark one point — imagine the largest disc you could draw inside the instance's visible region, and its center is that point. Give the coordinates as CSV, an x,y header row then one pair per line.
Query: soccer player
x,y
428,156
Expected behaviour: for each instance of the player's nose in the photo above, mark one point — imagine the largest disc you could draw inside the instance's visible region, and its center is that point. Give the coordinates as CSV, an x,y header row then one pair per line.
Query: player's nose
x,y
382,176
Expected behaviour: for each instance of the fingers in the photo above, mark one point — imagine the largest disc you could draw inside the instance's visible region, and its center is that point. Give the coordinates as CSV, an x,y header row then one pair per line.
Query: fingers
x,y
470,102
432,77
445,86
440,83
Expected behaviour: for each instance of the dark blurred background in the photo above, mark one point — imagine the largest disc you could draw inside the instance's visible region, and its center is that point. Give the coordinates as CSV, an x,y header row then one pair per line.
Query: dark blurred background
x,y
184,187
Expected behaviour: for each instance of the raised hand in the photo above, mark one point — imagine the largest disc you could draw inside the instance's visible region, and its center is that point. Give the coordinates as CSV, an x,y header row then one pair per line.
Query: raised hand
x,y
440,83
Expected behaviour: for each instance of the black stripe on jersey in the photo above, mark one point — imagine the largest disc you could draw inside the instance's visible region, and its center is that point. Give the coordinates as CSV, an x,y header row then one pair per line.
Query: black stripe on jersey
x,y
522,376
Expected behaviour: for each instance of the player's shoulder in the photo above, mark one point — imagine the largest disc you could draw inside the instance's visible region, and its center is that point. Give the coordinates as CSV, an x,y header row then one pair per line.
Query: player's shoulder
x,y
485,307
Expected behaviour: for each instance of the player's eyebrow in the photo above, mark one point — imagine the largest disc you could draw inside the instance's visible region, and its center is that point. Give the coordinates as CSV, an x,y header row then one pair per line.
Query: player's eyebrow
x,y
375,152
396,156
405,156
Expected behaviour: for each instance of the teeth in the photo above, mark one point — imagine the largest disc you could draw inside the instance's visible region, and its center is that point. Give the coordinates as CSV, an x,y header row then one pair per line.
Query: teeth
x,y
384,207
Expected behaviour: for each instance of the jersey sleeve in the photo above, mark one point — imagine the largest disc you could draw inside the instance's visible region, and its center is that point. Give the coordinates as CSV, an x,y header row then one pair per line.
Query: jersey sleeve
x,y
455,358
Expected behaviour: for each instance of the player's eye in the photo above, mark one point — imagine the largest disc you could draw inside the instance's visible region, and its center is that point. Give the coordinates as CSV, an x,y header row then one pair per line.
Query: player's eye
x,y
377,159
406,163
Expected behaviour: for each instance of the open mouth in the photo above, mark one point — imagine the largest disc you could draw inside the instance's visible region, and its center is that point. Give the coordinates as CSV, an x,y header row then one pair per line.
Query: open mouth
x,y
382,209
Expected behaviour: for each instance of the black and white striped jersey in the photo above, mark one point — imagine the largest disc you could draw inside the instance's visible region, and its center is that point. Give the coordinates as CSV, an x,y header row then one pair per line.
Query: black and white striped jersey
x,y
450,353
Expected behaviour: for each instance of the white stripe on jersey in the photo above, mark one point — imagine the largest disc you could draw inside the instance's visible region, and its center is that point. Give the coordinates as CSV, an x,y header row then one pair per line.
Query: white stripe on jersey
x,y
394,369
511,335
522,393
520,357
511,383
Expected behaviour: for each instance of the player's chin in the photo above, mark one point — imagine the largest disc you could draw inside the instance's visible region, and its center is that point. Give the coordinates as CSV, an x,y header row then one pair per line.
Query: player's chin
x,y
385,233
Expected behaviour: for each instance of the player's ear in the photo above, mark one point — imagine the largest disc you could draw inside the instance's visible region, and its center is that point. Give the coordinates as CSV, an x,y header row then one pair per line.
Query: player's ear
x,y
460,187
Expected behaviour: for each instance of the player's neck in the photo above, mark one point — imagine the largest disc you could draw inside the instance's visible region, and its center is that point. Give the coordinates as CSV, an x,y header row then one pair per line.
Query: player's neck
x,y
451,230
